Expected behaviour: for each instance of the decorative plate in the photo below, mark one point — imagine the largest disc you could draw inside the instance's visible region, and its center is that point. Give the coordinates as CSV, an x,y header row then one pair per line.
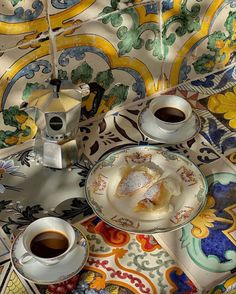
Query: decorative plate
x,y
150,129
104,178
38,273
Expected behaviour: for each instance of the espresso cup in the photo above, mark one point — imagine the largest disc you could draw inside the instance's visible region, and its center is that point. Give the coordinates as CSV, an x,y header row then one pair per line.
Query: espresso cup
x,y
170,112
47,240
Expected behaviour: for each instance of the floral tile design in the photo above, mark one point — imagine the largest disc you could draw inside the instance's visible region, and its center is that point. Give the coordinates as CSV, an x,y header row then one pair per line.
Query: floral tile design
x,y
194,40
20,174
212,83
114,131
15,284
73,12
124,55
121,130
125,50
227,286
21,21
211,234
22,69
231,156
115,265
223,107
118,56
17,127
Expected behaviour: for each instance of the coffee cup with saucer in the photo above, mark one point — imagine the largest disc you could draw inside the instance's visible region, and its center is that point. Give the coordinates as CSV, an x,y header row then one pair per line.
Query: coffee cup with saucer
x,y
170,112
32,265
47,240
163,132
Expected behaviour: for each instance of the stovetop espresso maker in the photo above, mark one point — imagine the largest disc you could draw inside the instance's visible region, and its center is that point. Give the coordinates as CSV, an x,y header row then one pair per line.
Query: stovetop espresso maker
x,y
57,113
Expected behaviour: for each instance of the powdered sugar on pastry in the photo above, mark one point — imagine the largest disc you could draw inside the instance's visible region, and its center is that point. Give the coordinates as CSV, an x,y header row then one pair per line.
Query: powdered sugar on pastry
x,y
157,197
136,180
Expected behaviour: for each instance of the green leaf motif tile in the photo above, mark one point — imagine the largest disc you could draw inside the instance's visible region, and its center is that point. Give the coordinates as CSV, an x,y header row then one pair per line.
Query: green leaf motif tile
x,y
25,128
105,79
15,2
221,44
82,73
119,92
187,21
29,88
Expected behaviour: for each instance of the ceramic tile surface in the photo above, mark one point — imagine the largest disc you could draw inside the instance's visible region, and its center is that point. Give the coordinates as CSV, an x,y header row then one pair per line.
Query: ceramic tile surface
x,y
114,57
21,174
212,83
116,265
195,247
21,21
126,51
109,134
22,70
198,37
67,13
10,282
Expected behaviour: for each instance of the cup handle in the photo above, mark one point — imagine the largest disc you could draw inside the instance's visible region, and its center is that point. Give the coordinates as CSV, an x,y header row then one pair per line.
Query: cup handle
x,y
77,241
25,258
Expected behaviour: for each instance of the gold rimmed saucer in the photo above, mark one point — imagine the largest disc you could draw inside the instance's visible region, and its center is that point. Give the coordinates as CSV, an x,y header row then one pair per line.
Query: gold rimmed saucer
x,y
150,129
104,178
39,273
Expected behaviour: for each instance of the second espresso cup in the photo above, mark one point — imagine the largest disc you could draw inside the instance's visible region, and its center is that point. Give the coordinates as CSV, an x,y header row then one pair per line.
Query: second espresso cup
x,y
47,240
170,112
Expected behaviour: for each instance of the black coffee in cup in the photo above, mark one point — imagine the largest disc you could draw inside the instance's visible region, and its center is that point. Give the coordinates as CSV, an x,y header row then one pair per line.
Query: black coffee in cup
x,y
49,244
170,114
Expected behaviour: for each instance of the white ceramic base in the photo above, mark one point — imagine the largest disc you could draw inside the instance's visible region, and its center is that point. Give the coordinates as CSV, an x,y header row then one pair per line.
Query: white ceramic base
x,y
150,129
38,273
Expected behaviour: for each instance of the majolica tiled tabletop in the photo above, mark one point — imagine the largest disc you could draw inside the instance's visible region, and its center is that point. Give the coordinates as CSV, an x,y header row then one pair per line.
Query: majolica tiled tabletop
x,y
199,257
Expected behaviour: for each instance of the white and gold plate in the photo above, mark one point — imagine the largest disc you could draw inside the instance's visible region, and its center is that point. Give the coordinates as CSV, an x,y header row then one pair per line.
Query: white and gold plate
x,y
39,273
105,176
148,126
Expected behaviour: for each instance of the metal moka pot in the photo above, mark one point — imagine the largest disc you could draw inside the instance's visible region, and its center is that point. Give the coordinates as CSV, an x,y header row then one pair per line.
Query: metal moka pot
x,y
57,114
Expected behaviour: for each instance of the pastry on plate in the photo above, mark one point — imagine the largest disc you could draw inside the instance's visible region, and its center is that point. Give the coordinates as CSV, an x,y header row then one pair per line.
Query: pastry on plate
x,y
157,197
137,179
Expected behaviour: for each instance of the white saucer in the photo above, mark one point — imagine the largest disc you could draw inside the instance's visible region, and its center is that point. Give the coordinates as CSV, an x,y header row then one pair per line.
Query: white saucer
x,y
150,129
52,274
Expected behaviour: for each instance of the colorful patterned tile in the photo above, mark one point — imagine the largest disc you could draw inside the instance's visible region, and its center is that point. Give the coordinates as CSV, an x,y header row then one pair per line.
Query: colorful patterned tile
x,y
214,131
120,130
205,248
21,203
223,107
121,262
227,286
193,97
21,71
21,21
73,12
5,269
231,156
212,83
218,136
117,56
194,40
16,285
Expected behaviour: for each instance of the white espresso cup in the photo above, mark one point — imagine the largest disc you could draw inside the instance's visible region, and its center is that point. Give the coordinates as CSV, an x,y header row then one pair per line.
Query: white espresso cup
x,y
161,103
38,234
